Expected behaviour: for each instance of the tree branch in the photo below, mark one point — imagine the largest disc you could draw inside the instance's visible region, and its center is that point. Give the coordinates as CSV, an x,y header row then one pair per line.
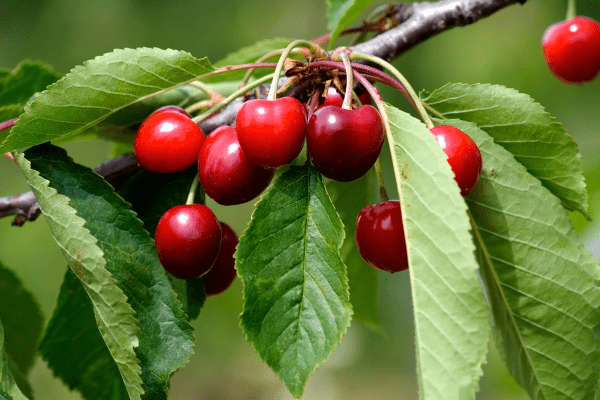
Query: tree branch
x,y
417,22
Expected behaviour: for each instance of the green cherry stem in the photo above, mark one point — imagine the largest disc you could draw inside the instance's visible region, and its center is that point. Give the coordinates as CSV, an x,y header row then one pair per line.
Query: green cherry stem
x,y
382,192
296,43
402,79
206,89
273,53
571,10
192,192
349,82
232,97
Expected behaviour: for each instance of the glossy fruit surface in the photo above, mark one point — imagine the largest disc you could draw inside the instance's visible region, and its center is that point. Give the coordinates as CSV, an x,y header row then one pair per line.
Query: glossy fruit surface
x,y
463,154
380,238
572,49
344,144
223,273
333,98
173,108
167,142
225,172
271,132
188,239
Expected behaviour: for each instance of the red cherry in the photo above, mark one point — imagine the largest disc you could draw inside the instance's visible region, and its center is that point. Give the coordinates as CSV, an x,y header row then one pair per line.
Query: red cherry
x,y
225,173
572,49
333,98
188,239
463,154
344,144
223,273
167,142
380,238
173,108
365,98
271,132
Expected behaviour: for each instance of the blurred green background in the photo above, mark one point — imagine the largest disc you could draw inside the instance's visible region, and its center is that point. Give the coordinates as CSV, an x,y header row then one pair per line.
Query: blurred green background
x,y
503,49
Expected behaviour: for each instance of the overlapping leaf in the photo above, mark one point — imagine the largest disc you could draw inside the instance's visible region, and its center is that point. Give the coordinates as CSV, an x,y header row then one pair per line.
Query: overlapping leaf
x,y
541,281
114,316
349,198
26,79
524,128
23,322
341,13
165,344
73,347
8,388
91,93
451,316
296,305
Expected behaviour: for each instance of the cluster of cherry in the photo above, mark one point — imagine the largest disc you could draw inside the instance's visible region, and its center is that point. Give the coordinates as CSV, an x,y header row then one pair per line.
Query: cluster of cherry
x,y
236,164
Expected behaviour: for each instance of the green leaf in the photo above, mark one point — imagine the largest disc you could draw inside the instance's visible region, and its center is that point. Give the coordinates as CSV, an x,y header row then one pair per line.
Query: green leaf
x,y
524,128
8,387
248,55
101,87
341,13
114,316
73,347
541,282
191,293
26,79
165,344
349,198
23,325
296,305
451,315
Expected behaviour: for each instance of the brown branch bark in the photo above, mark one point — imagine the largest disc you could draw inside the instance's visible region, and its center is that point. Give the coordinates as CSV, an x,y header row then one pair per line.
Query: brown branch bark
x,y
417,22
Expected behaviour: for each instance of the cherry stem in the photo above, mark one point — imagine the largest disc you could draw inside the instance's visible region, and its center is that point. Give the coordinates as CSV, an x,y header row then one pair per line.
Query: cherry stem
x,y
382,192
192,192
229,68
261,59
206,89
571,10
7,124
232,97
402,79
296,43
349,82
312,106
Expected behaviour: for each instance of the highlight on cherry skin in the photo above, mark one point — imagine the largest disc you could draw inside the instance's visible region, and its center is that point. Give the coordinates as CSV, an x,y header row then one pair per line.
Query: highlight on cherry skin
x,y
226,174
380,237
223,273
572,49
463,154
271,132
168,141
344,144
188,240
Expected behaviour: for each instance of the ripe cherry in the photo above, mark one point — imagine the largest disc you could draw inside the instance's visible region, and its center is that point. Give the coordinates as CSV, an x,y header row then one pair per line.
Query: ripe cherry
x,y
344,144
223,273
333,98
365,98
188,239
225,173
173,108
380,238
572,49
463,154
271,132
167,141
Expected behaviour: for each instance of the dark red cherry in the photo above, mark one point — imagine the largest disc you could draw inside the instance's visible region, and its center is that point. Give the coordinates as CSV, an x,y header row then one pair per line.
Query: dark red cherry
x,y
380,238
188,239
463,154
365,98
223,273
572,49
173,108
225,173
333,98
271,132
167,141
344,144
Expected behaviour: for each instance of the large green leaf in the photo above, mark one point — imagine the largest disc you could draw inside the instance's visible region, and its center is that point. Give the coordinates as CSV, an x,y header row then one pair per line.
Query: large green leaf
x,y
541,281
349,198
165,344
524,128
8,387
73,347
23,323
114,316
296,305
101,87
27,78
341,13
451,315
